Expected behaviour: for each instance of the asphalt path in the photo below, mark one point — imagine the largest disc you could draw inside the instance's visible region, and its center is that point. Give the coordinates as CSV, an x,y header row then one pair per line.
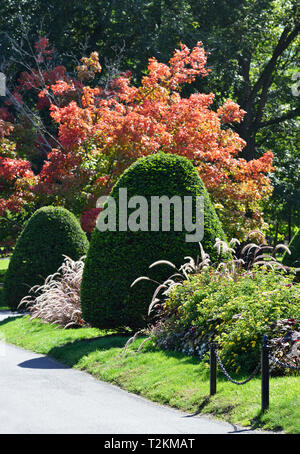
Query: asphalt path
x,y
38,395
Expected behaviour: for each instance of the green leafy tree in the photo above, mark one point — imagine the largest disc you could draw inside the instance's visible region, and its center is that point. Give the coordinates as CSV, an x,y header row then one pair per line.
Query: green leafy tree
x,y
254,47
282,211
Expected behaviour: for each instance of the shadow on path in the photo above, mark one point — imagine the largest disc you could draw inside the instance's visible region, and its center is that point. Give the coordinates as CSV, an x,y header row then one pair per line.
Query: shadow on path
x,y
42,363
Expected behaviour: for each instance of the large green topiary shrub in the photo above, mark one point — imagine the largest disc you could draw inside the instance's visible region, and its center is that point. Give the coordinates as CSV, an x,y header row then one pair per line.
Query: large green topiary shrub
x,y
48,234
293,259
116,259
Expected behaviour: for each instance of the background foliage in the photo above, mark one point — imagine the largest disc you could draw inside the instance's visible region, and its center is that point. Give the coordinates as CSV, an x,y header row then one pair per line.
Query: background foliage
x,y
256,71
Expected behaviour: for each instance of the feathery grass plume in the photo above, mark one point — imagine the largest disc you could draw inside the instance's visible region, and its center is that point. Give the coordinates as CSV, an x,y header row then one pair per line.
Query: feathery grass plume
x,y
242,260
57,301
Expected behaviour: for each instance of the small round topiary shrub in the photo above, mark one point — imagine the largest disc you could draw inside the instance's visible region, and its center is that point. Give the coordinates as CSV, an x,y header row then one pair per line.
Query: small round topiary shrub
x,y
293,259
48,234
116,258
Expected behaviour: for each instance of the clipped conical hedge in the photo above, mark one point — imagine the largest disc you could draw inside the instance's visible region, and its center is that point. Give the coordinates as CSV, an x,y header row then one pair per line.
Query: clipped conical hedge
x,y
116,259
48,234
293,259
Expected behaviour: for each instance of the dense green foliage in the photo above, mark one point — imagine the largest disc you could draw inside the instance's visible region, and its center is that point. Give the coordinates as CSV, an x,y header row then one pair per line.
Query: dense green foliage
x,y
255,70
293,259
236,313
116,259
49,233
140,27
282,210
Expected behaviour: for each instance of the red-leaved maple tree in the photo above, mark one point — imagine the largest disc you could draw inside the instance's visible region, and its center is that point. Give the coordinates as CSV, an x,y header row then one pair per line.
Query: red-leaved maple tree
x,y
103,129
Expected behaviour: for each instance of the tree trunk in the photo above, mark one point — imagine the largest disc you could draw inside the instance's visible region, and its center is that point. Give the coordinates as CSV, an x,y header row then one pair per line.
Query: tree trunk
x,y
290,225
245,130
276,234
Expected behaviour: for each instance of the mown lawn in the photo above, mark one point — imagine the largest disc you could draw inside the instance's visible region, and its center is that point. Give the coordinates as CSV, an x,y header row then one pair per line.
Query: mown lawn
x,y
162,376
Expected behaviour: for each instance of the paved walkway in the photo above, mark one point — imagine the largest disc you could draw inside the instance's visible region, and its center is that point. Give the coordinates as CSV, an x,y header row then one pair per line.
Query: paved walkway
x,y
39,395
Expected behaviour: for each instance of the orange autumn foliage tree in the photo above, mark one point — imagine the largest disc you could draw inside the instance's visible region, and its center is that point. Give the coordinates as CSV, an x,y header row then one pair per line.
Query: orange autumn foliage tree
x,y
16,176
102,130
116,125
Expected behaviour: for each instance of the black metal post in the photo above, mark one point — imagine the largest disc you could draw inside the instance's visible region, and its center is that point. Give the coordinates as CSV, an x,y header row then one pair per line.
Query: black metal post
x,y
213,369
265,374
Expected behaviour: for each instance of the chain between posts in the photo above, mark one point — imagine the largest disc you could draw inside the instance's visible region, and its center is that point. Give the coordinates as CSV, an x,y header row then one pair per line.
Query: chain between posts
x,y
263,365
214,348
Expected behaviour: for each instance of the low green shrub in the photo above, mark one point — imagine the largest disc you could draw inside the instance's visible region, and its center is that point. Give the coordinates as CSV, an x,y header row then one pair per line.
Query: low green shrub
x,y
50,233
236,313
2,275
1,299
